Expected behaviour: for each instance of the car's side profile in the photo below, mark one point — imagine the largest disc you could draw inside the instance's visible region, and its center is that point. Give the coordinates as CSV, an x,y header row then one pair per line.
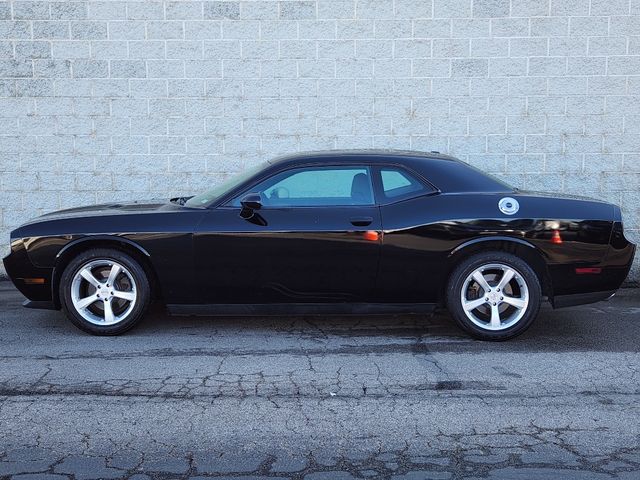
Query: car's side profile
x,y
329,232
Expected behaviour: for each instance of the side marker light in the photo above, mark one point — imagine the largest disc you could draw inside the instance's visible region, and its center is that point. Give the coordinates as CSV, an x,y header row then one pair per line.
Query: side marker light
x,y
371,235
588,270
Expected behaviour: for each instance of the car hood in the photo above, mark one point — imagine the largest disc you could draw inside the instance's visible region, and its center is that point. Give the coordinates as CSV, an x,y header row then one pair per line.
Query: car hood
x,y
105,209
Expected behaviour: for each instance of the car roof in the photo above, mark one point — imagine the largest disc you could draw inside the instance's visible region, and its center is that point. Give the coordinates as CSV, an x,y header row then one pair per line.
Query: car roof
x,y
372,155
446,173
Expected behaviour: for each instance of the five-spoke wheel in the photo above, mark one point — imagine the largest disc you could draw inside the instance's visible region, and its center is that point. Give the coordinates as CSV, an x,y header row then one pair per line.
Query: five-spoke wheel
x,y
104,291
494,295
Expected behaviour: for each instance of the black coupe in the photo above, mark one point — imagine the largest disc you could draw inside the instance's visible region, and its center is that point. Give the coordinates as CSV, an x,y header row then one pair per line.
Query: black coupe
x,y
329,232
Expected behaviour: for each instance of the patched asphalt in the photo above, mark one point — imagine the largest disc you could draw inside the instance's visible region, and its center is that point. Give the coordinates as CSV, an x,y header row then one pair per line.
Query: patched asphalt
x,y
394,397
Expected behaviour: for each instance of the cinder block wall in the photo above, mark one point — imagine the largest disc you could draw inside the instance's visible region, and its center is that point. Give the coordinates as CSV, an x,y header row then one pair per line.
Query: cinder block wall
x,y
108,100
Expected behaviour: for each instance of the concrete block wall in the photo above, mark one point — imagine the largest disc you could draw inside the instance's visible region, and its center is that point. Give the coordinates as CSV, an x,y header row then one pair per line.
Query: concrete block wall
x,y
109,100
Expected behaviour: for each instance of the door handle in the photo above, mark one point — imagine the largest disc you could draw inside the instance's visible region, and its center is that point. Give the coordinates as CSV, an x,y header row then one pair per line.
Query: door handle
x,y
361,221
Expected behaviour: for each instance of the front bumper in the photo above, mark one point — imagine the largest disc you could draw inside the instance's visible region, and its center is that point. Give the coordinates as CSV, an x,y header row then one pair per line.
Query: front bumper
x,y
40,304
22,273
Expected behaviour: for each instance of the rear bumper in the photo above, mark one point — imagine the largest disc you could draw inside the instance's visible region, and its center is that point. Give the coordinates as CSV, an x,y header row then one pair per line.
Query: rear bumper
x,y
560,301
576,283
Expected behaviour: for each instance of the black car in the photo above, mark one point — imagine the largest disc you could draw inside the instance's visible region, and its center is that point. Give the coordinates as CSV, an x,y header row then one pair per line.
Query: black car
x,y
328,232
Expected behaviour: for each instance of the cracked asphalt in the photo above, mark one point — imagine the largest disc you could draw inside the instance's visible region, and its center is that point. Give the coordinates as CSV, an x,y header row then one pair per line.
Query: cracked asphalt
x,y
393,397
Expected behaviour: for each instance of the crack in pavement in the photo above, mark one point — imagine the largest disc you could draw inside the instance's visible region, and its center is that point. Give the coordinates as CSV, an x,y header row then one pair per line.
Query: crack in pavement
x,y
321,398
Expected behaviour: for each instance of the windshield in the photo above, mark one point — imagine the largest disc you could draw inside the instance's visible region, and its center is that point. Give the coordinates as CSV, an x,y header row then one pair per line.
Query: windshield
x,y
226,186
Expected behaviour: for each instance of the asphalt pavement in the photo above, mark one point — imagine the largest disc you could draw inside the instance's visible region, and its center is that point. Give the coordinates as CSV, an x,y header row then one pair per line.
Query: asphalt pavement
x,y
393,397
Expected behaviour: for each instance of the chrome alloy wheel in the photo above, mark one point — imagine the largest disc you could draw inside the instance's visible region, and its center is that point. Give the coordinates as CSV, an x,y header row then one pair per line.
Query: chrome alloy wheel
x,y
494,296
103,292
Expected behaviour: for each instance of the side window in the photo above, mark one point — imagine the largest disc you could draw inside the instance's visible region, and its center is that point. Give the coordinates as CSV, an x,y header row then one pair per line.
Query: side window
x,y
316,186
398,183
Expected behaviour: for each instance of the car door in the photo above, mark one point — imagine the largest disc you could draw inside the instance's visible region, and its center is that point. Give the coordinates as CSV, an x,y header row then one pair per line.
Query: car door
x,y
314,239
415,242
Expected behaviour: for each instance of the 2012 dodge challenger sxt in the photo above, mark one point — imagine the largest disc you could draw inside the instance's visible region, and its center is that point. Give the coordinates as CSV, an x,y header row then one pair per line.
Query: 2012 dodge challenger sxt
x,y
328,232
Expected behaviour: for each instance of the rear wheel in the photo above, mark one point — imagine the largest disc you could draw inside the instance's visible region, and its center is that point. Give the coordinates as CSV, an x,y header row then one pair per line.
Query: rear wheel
x,y
104,291
494,295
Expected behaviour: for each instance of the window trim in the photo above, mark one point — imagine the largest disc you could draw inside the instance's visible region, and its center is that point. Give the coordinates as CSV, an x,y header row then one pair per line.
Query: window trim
x,y
223,203
227,203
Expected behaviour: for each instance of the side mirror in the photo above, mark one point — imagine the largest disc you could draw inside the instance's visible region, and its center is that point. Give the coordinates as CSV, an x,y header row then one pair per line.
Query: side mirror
x,y
251,201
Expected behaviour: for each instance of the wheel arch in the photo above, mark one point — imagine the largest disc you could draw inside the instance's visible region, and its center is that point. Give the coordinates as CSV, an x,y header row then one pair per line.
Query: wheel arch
x,y
125,245
523,249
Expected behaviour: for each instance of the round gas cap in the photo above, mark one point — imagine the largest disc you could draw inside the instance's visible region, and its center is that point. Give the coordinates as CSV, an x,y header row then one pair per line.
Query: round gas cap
x,y
508,205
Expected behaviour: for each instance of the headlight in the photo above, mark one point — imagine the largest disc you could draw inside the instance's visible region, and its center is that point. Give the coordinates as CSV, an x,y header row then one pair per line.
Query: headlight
x,y
6,249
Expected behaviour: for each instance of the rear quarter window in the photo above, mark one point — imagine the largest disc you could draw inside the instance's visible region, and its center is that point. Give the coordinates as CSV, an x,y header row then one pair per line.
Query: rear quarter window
x,y
398,183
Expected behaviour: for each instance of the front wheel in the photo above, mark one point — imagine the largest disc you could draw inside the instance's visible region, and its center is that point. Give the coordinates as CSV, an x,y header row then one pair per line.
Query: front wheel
x,y
104,291
494,295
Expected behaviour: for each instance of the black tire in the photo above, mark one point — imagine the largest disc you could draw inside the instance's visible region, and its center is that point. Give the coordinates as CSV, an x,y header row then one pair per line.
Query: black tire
x,y
142,291
457,282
